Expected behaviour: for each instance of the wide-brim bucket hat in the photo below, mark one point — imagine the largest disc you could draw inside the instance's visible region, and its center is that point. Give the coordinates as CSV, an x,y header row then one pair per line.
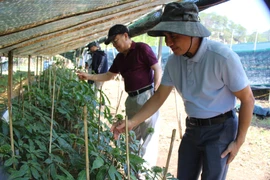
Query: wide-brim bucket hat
x,y
180,18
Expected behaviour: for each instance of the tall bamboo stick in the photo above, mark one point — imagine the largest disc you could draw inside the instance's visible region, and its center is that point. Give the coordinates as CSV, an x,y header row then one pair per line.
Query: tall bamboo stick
x,y
52,112
20,89
99,113
86,142
169,154
10,87
37,66
29,77
180,125
118,103
127,148
39,71
178,116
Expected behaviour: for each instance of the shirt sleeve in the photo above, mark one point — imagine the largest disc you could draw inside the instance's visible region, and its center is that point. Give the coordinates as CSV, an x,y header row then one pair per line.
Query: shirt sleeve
x,y
166,79
114,68
147,54
233,73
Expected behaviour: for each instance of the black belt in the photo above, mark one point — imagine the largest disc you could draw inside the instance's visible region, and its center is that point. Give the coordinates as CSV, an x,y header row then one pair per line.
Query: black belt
x,y
135,93
209,121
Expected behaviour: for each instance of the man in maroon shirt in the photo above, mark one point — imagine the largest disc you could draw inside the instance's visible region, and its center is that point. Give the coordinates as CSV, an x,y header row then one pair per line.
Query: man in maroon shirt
x,y
139,67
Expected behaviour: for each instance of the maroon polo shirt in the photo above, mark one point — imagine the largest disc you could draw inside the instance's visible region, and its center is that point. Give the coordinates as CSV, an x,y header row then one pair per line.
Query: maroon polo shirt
x,y
135,67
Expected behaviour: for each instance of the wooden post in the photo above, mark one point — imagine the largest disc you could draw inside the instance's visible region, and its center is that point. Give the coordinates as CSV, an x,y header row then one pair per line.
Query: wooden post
x,y
10,87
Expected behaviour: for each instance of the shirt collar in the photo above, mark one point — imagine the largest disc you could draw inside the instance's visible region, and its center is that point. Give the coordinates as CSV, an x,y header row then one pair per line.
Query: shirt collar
x,y
200,52
133,44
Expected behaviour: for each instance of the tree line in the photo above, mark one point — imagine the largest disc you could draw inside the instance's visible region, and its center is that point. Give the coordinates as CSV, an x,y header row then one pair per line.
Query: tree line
x,y
222,29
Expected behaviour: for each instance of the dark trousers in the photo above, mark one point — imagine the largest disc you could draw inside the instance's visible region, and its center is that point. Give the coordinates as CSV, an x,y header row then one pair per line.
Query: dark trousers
x,y
3,174
201,148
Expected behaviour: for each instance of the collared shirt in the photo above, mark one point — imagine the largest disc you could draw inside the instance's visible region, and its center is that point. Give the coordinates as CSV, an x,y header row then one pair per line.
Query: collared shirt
x,y
206,81
135,67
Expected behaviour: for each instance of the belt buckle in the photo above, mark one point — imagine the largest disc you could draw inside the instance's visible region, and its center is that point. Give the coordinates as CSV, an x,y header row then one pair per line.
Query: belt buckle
x,y
194,122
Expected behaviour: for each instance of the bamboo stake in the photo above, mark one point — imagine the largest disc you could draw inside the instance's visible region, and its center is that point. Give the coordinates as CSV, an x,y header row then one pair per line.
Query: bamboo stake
x,y
29,76
39,72
119,101
1,68
118,87
99,112
180,126
10,87
178,116
52,112
20,89
169,154
127,148
50,79
86,142
37,68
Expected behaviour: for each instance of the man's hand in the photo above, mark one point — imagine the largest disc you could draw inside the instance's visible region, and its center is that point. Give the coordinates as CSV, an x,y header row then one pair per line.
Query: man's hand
x,y
83,75
120,127
232,150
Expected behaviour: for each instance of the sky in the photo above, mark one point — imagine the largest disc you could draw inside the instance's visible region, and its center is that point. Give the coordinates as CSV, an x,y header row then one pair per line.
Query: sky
x,y
254,15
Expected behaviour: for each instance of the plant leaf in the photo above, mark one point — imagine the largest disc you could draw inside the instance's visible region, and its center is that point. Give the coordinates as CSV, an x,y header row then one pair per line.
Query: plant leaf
x,y
97,163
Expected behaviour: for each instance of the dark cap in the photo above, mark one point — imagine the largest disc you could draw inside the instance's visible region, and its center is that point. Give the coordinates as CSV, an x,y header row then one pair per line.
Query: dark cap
x,y
91,44
116,29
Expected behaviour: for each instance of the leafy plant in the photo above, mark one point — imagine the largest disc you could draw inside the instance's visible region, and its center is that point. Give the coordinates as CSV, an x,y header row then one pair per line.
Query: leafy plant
x,y
64,157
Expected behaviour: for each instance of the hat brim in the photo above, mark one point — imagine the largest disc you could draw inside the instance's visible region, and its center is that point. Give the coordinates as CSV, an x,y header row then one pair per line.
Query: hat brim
x,y
194,29
109,39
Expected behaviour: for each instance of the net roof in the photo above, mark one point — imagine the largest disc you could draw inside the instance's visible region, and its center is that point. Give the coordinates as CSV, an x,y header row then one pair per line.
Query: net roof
x,y
50,27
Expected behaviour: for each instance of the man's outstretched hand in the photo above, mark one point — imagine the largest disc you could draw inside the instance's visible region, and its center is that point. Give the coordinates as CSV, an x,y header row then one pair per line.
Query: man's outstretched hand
x,y
82,75
120,127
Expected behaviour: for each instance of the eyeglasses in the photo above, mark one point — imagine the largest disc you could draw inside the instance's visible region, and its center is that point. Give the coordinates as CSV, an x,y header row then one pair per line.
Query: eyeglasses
x,y
115,41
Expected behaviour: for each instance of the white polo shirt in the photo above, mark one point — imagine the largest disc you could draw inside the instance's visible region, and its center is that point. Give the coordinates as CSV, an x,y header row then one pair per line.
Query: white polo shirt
x,y
207,80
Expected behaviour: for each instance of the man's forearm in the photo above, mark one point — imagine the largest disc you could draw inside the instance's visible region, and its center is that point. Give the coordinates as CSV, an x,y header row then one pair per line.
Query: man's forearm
x,y
100,77
157,78
245,117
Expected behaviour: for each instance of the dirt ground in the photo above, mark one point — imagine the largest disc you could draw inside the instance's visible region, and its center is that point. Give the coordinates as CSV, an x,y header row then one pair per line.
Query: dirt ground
x,y
251,163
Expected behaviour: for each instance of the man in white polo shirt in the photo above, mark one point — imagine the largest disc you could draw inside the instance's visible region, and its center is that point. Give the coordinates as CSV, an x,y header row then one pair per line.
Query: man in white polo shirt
x,y
209,77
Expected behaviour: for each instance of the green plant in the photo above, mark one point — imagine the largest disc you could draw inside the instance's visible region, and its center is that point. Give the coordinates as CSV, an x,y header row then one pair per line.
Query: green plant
x,y
64,157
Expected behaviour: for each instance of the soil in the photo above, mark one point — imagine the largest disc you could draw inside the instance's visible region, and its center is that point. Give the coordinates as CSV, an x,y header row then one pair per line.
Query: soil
x,y
251,163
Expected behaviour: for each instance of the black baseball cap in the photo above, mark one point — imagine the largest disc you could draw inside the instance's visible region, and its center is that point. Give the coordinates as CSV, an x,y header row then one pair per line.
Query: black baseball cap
x,y
91,44
116,29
